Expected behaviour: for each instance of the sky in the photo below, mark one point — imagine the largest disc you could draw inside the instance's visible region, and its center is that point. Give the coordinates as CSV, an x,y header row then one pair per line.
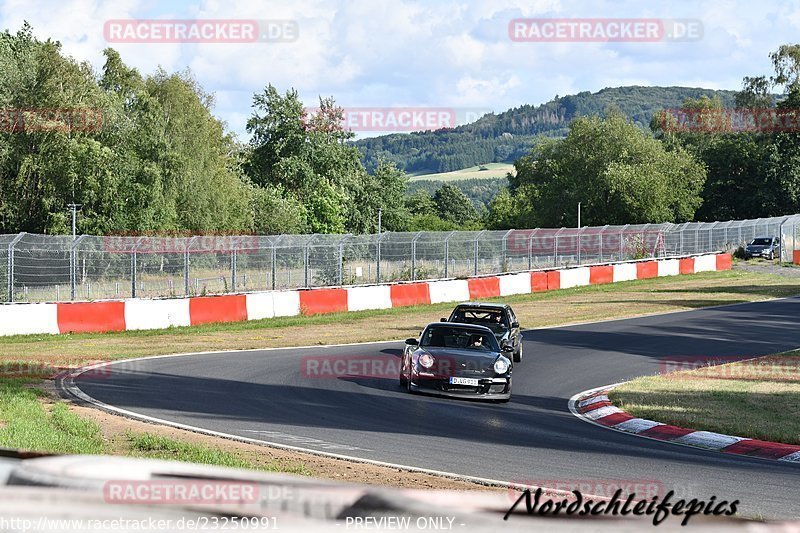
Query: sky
x,y
416,55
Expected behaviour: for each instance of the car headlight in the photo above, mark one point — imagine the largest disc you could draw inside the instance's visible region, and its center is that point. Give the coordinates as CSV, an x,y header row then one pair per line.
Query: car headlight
x,y
426,360
501,365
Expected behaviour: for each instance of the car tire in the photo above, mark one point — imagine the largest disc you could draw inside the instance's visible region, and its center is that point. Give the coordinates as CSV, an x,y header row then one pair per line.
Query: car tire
x,y
403,379
518,354
772,256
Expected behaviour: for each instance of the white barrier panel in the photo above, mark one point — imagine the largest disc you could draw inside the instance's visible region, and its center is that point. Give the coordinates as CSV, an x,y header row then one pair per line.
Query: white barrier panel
x,y
456,290
705,263
26,319
260,305
624,272
574,277
286,303
515,284
156,314
373,297
669,267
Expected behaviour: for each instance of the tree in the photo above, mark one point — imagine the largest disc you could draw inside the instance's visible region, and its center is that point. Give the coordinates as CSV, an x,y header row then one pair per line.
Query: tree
x,y
308,157
453,205
619,173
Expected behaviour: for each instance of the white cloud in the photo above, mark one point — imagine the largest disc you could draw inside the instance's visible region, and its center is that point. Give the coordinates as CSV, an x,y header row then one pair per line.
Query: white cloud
x,y
424,53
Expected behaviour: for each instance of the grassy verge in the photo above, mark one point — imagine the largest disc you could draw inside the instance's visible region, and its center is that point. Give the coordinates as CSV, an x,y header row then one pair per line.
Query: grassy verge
x,y
29,421
757,399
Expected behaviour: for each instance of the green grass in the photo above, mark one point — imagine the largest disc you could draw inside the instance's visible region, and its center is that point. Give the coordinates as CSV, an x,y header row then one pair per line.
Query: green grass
x,y
158,447
758,399
494,170
29,422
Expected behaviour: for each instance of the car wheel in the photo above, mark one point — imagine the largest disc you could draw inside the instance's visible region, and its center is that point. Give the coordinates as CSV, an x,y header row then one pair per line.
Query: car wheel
x,y
771,256
403,378
518,354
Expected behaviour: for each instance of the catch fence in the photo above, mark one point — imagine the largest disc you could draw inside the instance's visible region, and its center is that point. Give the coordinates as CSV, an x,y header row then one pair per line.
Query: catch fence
x,y
40,268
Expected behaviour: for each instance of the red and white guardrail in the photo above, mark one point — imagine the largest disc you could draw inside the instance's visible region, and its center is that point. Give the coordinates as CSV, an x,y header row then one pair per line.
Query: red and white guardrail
x,y
139,314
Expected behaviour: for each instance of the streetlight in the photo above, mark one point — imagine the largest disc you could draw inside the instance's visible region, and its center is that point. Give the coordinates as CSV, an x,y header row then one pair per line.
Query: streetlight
x,y
579,215
74,208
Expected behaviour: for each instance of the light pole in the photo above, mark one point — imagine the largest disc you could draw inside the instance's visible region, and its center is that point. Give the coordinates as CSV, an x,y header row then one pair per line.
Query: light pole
x,y
579,215
74,208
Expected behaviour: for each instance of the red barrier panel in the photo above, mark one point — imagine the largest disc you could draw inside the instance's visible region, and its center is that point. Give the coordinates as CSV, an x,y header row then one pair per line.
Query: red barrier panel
x,y
538,281
687,265
91,317
483,287
796,257
322,301
407,294
212,309
724,262
601,274
648,269
553,280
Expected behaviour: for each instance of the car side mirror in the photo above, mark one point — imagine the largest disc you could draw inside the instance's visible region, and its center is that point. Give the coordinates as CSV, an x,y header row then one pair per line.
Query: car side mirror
x,y
507,348
515,324
442,319
412,341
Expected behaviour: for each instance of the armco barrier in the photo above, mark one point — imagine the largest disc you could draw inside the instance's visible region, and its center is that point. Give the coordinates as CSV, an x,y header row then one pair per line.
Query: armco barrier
x,y
369,297
139,314
483,287
449,291
405,294
601,274
538,281
625,272
211,309
156,314
28,319
322,301
511,284
91,317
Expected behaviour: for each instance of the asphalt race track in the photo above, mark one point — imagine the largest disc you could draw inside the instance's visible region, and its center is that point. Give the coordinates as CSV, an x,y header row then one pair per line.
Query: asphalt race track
x,y
265,395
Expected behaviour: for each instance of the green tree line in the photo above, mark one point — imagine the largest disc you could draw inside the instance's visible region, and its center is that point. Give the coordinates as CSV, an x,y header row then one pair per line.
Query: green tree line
x,y
160,161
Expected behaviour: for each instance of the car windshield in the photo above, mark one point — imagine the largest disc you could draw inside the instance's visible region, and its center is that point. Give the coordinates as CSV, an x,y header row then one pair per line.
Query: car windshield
x,y
761,242
493,319
459,338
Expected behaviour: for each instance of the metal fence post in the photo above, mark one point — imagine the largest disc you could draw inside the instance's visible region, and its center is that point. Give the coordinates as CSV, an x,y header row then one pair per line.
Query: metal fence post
x,y
447,252
504,247
133,274
378,259
477,238
186,266
133,267
10,265
73,267
233,269
305,264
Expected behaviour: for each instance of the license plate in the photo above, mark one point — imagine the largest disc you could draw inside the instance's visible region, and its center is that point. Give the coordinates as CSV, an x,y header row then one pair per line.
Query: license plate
x,y
464,381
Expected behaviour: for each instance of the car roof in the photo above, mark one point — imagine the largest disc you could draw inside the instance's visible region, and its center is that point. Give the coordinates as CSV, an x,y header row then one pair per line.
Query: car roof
x,y
476,327
484,305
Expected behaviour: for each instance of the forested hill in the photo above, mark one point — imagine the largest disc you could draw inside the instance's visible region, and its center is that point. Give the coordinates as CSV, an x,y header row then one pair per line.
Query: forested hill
x,y
506,136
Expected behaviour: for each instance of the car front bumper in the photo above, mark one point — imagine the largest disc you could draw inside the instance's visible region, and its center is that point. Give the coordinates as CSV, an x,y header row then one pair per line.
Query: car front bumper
x,y
498,388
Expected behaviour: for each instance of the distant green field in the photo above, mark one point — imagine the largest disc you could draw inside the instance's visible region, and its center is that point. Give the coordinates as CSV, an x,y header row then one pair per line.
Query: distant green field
x,y
493,170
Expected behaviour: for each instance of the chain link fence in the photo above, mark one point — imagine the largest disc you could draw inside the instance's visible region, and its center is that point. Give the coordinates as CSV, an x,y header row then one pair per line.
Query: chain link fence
x,y
42,268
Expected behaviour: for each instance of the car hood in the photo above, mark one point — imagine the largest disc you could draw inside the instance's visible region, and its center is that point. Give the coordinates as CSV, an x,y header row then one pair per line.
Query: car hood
x,y
452,361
